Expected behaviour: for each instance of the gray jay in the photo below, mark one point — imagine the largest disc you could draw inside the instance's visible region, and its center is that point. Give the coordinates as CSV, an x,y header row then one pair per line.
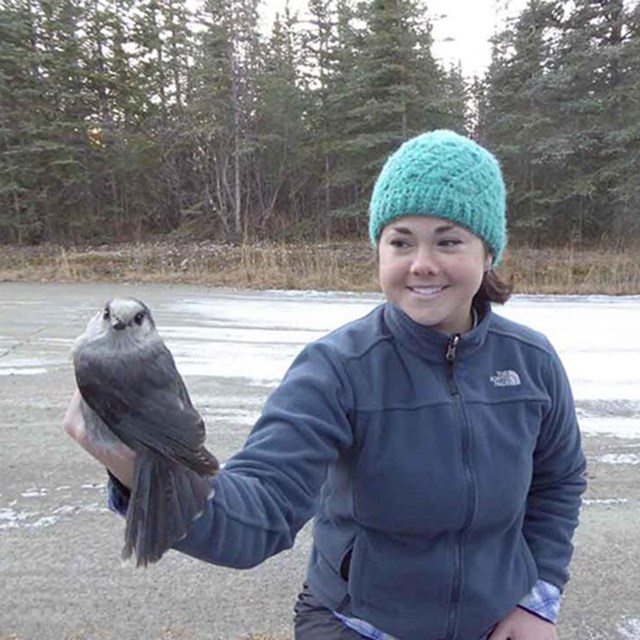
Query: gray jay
x,y
132,393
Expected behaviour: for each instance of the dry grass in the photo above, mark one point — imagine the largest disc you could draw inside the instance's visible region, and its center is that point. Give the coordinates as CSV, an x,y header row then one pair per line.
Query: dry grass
x,y
323,266
568,270
338,266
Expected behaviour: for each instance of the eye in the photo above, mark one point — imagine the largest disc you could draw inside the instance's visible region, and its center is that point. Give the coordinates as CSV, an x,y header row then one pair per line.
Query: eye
x,y
399,243
139,317
449,242
106,315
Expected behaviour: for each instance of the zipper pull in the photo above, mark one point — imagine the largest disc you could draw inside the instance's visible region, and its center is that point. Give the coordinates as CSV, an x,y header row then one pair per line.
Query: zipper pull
x,y
452,348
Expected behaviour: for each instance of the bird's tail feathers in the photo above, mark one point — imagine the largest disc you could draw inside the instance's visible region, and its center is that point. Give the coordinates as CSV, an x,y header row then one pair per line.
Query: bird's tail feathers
x,y
166,498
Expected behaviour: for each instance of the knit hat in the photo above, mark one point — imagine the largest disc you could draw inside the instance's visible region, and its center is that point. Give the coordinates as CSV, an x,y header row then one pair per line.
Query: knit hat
x,y
445,175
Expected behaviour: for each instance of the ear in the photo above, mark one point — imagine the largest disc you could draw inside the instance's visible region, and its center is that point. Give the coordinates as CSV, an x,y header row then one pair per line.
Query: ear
x,y
488,261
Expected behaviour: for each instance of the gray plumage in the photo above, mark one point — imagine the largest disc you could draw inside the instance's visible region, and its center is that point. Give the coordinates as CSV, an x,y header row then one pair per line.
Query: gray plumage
x,y
132,393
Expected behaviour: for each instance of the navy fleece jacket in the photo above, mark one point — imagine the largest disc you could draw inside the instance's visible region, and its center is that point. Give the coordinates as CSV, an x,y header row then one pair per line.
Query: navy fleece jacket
x,y
442,489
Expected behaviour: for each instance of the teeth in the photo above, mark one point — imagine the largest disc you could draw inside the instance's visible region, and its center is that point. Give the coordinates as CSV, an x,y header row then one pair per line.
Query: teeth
x,y
426,291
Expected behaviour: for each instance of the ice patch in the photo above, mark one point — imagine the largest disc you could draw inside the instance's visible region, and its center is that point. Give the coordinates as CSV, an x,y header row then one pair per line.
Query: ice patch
x,y
12,371
95,508
93,485
619,458
45,521
630,629
14,519
34,493
10,518
611,426
587,502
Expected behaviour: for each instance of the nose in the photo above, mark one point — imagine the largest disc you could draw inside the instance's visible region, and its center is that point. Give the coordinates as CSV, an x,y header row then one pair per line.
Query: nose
x,y
424,262
118,325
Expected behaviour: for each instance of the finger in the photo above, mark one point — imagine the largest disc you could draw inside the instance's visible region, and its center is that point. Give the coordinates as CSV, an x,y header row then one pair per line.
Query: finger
x,y
73,422
499,633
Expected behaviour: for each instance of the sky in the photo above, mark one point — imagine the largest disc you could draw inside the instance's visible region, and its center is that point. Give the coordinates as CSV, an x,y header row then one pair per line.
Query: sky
x,y
461,28
461,32
463,35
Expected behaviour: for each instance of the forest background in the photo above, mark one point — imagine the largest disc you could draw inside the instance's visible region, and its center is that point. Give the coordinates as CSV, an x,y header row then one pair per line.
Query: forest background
x,y
149,139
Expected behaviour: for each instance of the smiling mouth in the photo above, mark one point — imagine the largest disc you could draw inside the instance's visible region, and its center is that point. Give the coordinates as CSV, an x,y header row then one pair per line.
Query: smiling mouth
x,y
427,291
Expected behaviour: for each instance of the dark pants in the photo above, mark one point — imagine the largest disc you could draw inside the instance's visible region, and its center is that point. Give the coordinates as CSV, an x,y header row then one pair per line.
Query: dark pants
x,y
313,621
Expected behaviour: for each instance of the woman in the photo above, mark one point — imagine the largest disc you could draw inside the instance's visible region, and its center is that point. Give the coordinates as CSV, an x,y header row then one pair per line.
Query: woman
x,y
434,442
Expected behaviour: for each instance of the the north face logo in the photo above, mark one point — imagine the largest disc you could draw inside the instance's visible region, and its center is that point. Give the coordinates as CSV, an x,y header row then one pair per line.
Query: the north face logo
x,y
508,378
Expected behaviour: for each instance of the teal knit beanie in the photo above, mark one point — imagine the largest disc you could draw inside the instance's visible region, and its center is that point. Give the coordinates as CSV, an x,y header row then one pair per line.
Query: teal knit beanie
x,y
445,175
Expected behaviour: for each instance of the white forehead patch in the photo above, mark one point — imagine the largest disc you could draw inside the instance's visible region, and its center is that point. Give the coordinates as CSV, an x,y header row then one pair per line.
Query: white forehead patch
x,y
125,307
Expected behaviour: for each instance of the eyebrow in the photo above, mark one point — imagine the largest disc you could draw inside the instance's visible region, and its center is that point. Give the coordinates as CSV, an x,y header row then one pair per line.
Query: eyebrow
x,y
441,229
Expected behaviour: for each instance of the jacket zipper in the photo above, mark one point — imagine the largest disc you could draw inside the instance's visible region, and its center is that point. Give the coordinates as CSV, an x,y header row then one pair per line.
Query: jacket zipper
x,y
456,585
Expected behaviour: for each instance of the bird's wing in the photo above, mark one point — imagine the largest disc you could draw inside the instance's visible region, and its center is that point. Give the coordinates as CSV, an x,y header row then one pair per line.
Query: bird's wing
x,y
142,398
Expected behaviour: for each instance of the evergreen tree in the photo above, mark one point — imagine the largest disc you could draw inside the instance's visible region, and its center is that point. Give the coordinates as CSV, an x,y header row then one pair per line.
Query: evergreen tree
x,y
512,113
320,49
454,110
280,126
624,137
397,89
558,108
584,94
222,113
20,99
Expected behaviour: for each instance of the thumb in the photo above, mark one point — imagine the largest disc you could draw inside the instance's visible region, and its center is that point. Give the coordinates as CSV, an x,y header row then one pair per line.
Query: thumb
x,y
73,421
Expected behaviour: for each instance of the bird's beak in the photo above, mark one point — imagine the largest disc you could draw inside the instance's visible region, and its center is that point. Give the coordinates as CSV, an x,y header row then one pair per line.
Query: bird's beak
x,y
118,325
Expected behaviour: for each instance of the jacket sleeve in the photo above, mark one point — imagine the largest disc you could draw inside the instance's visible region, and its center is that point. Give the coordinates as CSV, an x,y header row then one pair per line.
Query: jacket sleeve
x,y
268,491
558,481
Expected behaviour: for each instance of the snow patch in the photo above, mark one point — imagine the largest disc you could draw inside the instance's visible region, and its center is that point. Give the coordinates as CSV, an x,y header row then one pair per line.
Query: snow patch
x,y
11,518
588,502
619,458
630,629
616,427
12,371
34,493
93,485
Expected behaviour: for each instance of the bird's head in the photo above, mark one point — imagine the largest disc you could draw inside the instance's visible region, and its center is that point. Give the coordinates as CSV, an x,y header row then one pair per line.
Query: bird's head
x,y
121,321
127,315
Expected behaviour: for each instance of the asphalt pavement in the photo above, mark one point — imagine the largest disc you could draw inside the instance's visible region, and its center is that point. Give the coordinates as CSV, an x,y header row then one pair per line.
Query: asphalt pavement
x,y
61,576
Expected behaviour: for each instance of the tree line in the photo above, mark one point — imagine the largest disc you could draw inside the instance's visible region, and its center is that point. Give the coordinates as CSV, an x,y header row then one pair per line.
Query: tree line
x,y
124,118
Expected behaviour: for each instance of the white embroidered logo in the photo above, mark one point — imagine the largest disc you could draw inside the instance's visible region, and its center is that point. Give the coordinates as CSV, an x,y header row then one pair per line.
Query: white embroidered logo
x,y
508,378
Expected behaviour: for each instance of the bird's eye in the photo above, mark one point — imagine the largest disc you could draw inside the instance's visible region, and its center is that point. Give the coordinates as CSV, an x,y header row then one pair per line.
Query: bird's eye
x,y
139,317
106,315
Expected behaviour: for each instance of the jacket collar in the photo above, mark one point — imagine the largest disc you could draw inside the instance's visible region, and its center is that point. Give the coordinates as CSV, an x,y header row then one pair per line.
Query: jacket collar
x,y
431,344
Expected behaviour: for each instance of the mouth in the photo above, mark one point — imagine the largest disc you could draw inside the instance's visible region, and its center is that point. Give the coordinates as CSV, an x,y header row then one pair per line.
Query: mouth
x,y
427,292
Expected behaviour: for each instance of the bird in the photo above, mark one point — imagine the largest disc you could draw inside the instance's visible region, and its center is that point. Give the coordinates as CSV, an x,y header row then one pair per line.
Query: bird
x,y
132,393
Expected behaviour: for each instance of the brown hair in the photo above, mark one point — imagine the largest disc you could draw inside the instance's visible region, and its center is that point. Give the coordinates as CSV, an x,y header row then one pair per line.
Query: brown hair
x,y
492,289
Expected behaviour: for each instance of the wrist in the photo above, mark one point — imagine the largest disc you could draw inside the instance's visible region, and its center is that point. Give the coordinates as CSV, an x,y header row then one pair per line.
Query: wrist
x,y
536,614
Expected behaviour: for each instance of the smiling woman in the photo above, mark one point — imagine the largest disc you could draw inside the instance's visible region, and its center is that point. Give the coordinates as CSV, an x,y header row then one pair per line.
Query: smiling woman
x,y
432,270
435,268
434,442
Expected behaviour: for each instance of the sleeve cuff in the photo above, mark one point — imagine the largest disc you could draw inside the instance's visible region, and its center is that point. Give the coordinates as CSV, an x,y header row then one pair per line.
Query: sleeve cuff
x,y
117,495
543,601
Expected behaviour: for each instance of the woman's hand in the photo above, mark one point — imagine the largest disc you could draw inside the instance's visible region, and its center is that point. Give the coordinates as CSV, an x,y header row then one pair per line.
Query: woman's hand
x,y
522,625
119,460
73,422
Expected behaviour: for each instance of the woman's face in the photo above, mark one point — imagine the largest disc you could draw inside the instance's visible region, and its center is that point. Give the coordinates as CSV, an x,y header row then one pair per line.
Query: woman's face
x,y
431,268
